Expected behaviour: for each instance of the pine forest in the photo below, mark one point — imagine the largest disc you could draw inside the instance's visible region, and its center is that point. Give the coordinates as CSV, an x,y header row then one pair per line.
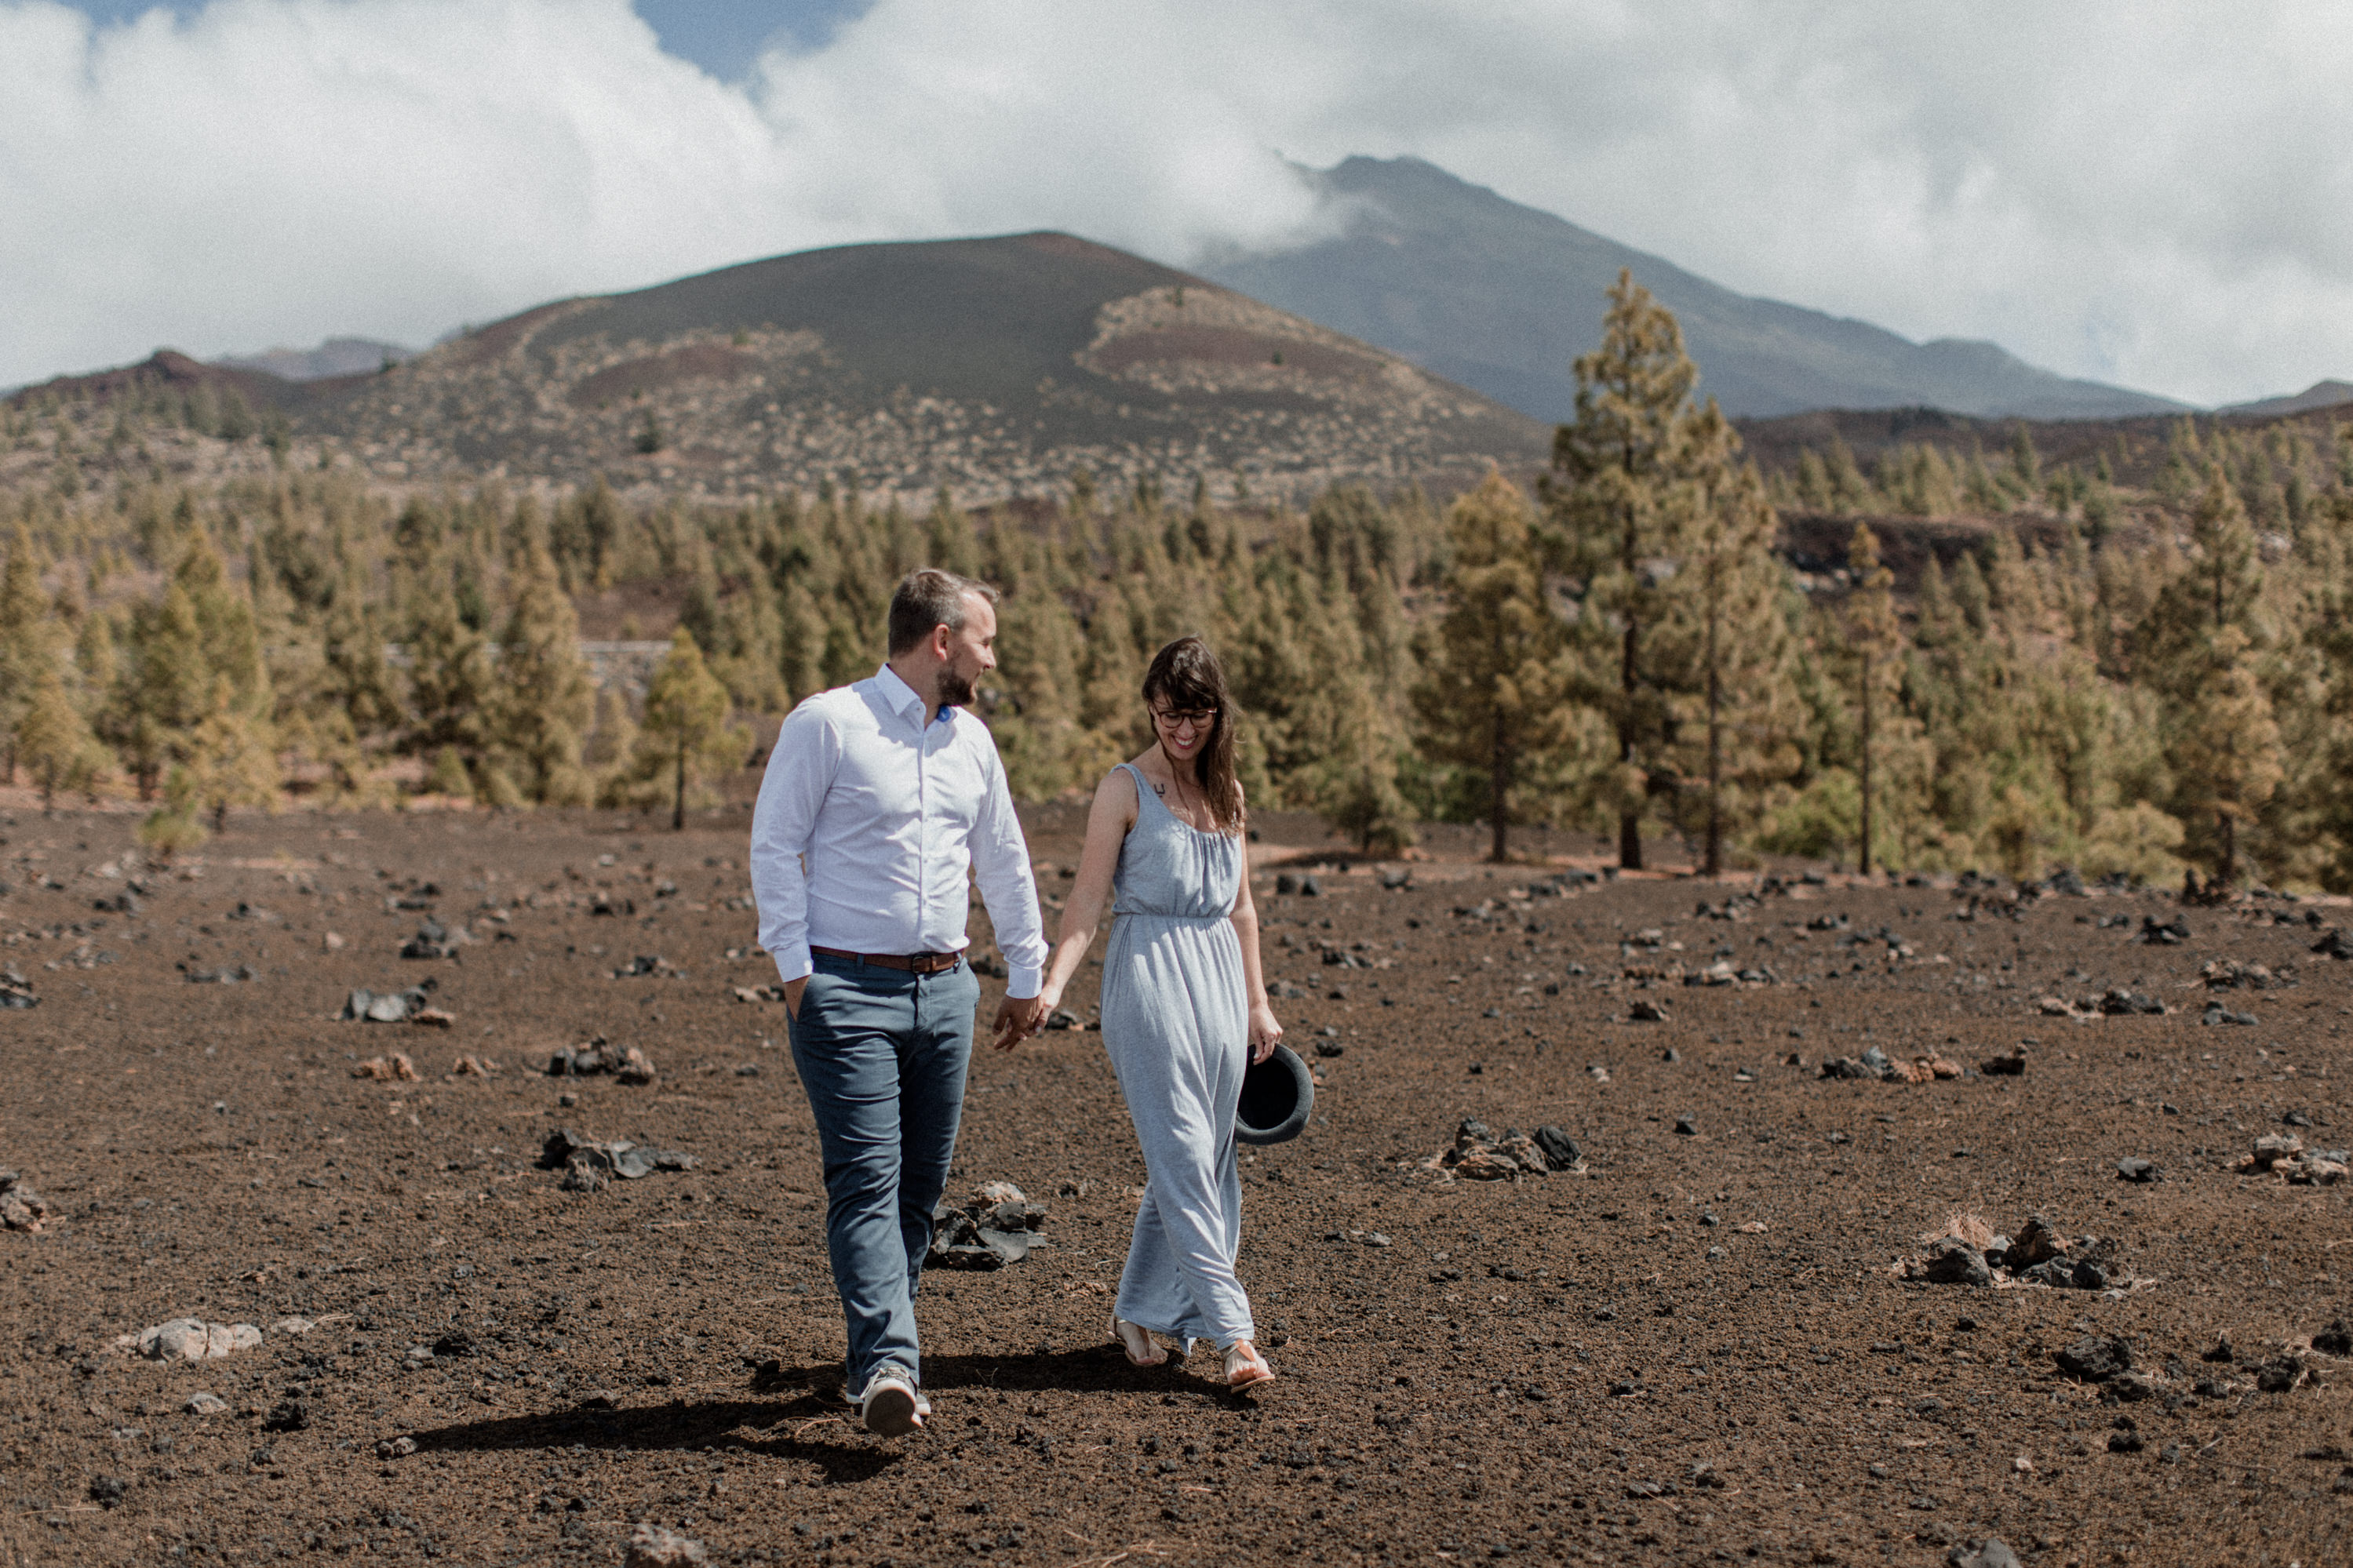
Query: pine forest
x,y
2133,663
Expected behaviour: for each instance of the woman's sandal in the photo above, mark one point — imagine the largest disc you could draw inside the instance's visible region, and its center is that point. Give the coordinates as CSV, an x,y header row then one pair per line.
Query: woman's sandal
x,y
1245,1367
1131,1335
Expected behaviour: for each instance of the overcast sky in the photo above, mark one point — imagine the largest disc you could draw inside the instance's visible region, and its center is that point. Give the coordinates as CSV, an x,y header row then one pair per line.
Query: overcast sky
x,y
2142,193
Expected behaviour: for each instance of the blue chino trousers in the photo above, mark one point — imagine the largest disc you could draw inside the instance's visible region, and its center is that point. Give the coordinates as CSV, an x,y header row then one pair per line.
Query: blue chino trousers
x,y
882,1054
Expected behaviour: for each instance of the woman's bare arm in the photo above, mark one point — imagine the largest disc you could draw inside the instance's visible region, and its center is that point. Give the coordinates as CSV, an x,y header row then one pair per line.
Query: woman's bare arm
x,y
1264,1030
1108,823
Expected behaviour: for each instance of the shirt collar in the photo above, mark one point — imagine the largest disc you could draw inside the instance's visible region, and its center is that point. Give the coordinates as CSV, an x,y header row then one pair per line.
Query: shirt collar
x,y
901,696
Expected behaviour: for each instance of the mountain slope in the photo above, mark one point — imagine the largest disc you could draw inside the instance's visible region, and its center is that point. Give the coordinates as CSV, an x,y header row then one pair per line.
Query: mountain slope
x,y
993,366
1503,297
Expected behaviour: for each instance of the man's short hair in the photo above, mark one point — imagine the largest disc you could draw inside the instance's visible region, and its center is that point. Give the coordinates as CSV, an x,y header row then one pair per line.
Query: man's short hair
x,y
928,597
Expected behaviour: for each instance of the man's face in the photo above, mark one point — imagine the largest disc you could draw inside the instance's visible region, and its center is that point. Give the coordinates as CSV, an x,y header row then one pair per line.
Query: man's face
x,y
971,651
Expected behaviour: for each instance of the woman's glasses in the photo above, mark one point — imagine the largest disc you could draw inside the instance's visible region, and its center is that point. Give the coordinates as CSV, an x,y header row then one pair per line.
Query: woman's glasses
x,y
1194,719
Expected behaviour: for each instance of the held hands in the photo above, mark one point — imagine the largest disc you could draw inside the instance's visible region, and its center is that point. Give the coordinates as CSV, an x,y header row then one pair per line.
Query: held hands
x,y
1263,1031
1018,1018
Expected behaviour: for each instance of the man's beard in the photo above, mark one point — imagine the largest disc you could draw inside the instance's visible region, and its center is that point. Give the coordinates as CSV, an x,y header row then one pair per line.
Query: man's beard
x,y
955,690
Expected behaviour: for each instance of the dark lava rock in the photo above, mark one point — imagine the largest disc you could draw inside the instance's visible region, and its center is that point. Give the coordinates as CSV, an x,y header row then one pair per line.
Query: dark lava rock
x,y
1952,1261
2136,1170
2127,1443
2171,933
2132,1387
2219,1352
1687,1126
287,1415
107,1491
2279,1374
2336,944
2011,1066
1647,1013
1560,1150
2038,1242
2221,1015
566,1150
2120,1003
2094,1358
1328,1048
2335,1339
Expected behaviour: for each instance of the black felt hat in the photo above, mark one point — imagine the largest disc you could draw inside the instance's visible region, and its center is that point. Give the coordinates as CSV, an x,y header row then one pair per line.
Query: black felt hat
x,y
1277,1095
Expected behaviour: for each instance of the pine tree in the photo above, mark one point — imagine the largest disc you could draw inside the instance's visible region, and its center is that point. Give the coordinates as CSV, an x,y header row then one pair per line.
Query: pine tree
x,y
544,698
26,643
1738,640
55,741
686,738
1874,639
231,758
2228,752
1492,694
1624,490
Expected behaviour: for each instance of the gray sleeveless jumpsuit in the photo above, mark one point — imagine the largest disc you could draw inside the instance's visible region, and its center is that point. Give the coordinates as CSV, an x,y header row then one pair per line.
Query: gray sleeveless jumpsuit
x,y
1176,1020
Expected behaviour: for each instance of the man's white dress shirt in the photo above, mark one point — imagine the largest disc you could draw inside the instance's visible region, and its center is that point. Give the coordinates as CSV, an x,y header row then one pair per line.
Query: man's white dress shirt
x,y
872,815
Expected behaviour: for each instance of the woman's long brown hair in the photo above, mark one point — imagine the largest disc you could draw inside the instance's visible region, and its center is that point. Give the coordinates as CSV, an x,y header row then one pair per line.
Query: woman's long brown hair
x,y
1185,676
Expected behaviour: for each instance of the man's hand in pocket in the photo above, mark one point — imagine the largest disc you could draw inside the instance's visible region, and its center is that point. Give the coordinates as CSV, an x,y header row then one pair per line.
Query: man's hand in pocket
x,y
793,989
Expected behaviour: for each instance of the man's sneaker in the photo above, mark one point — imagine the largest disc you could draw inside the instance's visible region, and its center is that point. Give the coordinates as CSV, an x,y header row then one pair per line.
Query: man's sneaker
x,y
890,1407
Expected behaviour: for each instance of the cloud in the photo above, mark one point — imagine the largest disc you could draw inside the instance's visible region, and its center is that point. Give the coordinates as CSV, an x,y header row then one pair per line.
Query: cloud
x,y
2141,194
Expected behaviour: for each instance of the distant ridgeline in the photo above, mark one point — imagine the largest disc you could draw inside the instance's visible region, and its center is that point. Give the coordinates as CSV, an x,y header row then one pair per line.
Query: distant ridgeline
x,y
1905,640
993,367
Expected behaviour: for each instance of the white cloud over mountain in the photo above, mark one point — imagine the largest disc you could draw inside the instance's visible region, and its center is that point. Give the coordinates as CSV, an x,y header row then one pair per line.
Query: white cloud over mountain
x,y
2140,193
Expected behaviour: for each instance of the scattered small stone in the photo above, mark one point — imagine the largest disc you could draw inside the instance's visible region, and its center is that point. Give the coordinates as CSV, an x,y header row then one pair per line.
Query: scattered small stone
x,y
474,1066
2171,933
287,1415
21,1208
2011,1066
16,991
331,943
1647,1013
1688,1126
296,1327
395,1449
2136,1170
1993,1551
394,1068
434,940
650,964
1330,1048
107,1491
242,973
363,1005
2119,1003
189,1339
651,1546
1952,1261
999,1226
2217,1014
592,1162
206,1404
1480,1155
2280,1373
2094,1358
2338,943
2335,1339
627,1064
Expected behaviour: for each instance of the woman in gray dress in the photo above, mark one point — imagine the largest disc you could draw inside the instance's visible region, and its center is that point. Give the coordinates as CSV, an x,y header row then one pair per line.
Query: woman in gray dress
x,y
1184,1006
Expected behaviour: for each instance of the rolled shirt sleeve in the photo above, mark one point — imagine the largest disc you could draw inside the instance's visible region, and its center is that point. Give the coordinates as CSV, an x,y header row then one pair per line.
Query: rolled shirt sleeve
x,y
1000,858
792,792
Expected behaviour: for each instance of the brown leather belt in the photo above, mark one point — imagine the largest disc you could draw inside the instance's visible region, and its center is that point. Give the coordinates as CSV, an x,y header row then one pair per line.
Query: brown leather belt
x,y
919,963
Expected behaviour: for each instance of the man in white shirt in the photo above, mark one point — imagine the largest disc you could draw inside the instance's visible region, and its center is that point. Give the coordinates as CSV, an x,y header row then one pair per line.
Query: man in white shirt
x,y
879,799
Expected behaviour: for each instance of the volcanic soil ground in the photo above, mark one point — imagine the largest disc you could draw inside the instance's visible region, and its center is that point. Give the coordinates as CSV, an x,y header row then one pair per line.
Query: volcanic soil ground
x,y
1698,1347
